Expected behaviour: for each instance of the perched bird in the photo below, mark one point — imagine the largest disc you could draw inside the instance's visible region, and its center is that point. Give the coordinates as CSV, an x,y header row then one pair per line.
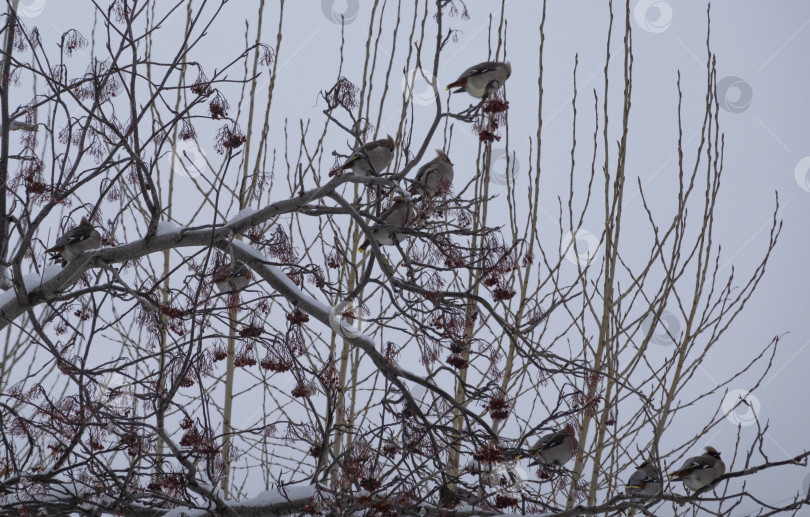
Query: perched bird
x,y
701,471
645,482
379,152
555,448
232,278
400,214
19,125
482,79
451,498
76,241
434,177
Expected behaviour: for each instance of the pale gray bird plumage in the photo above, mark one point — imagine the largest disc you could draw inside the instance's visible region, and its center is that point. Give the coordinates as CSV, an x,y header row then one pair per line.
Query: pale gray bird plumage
x,y
380,152
19,125
76,241
459,493
555,449
482,79
434,177
645,481
400,214
701,471
234,278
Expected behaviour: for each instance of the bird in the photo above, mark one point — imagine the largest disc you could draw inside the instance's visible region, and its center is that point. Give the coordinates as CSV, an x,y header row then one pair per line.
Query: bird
x,y
555,448
701,471
379,152
76,241
19,125
482,79
231,278
399,214
434,177
645,482
449,498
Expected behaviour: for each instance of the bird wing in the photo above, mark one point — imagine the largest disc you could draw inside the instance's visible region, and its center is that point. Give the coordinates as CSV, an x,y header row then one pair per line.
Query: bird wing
x,y
425,170
697,465
370,146
357,150
75,235
374,145
353,158
643,480
549,441
478,69
640,479
387,214
691,466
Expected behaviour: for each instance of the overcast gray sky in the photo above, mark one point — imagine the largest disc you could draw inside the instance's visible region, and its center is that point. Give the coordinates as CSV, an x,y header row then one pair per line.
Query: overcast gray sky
x,y
762,61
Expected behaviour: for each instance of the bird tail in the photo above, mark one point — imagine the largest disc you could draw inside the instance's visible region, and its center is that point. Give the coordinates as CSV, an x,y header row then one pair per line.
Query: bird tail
x,y
55,249
363,247
348,164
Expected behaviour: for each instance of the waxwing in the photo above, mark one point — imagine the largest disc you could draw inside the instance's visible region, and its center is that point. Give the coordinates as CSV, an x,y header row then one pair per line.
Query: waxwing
x,y
434,177
76,241
701,471
482,79
380,152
